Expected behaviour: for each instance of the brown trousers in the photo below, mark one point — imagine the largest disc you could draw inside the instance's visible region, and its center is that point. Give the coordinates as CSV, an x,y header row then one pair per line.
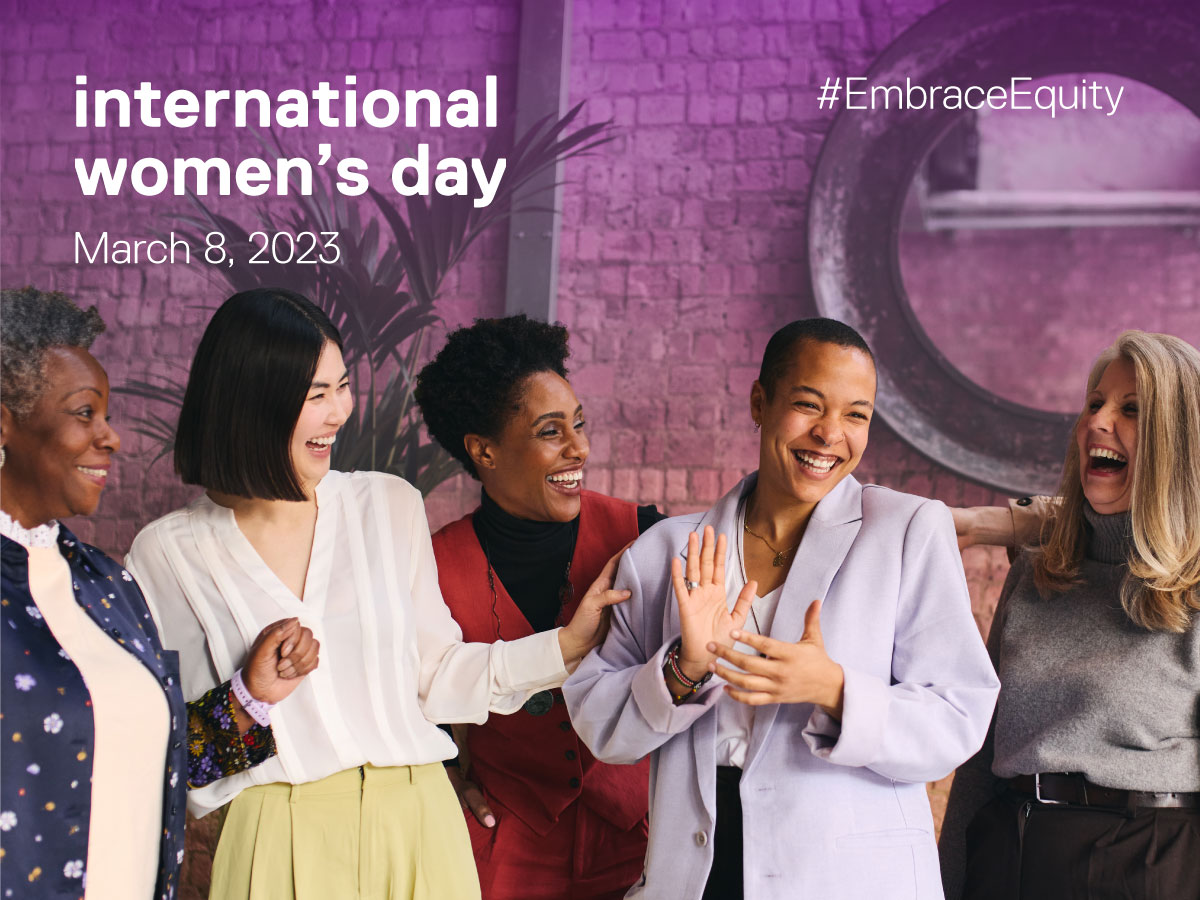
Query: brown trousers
x,y
1018,849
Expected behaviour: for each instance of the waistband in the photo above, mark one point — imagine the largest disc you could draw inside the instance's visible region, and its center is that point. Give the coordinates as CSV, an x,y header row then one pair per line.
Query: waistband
x,y
352,781
1074,789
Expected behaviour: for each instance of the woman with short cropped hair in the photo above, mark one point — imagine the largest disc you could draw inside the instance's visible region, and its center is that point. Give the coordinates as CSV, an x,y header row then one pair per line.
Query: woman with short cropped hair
x,y
852,669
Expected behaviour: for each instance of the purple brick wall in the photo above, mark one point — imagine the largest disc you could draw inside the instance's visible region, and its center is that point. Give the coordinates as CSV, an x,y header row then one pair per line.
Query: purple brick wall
x,y
683,241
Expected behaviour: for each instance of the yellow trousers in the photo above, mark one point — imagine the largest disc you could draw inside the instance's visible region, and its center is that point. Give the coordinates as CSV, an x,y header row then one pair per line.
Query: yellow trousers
x,y
364,834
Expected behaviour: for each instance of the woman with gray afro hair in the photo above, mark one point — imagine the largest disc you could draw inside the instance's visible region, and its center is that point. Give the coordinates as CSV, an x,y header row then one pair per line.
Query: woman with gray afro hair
x,y
99,746
32,322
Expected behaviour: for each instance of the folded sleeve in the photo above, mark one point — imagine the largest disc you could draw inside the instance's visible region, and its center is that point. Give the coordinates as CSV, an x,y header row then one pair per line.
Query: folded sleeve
x,y
934,711
1029,517
618,697
215,747
464,682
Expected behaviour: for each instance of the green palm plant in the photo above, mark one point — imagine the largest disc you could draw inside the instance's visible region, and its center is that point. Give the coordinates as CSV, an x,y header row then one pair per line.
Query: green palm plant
x,y
381,293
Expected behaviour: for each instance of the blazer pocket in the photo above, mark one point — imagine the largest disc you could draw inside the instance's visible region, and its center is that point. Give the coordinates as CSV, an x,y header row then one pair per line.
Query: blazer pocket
x,y
893,837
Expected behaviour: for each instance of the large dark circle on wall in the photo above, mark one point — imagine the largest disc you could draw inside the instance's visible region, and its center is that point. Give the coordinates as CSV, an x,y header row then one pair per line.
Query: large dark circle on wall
x,y
868,161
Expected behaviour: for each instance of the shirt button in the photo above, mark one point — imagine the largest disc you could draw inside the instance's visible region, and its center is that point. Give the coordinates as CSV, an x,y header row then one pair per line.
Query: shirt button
x,y
570,754
175,746
1024,501
564,726
574,782
701,839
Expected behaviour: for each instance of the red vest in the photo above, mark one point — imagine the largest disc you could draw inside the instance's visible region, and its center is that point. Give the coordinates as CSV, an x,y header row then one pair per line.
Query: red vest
x,y
536,765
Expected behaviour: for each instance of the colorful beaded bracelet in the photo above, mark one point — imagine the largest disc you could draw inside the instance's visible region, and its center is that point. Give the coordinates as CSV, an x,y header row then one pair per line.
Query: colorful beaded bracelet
x,y
677,670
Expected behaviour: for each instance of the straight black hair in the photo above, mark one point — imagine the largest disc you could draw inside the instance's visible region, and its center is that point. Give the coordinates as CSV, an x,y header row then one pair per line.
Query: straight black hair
x,y
778,355
247,385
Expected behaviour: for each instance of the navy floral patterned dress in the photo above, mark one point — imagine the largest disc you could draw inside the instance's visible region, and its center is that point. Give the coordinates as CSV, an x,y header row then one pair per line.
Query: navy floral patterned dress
x,y
47,728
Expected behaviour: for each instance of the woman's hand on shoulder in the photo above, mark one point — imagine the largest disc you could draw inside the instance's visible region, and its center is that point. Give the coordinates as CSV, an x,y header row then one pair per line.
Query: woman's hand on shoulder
x,y
589,626
282,654
704,614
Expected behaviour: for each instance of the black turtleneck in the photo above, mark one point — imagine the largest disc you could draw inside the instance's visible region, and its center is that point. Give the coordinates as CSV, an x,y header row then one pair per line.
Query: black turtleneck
x,y
530,558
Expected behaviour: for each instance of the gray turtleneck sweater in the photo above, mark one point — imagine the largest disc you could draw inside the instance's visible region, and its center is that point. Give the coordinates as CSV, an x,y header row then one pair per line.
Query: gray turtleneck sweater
x,y
1083,689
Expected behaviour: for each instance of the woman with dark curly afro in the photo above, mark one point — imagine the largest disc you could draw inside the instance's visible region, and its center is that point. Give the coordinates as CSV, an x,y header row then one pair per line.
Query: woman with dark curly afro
x,y
546,819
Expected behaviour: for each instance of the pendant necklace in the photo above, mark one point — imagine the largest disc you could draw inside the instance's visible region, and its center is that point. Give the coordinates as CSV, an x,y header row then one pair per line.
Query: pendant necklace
x,y
781,556
741,552
540,702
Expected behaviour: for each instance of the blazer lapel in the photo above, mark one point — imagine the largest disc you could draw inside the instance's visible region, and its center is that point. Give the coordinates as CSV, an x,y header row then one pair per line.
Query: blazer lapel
x,y
831,531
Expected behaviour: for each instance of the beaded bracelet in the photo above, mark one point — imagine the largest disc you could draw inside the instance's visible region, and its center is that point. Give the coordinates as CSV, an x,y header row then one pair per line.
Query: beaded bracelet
x,y
677,670
258,710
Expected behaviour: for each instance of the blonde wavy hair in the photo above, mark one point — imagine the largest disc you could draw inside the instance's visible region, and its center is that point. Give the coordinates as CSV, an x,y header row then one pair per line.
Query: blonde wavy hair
x,y
1160,591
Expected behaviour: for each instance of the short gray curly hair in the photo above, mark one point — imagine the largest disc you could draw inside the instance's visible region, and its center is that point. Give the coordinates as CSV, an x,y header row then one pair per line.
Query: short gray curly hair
x,y
31,322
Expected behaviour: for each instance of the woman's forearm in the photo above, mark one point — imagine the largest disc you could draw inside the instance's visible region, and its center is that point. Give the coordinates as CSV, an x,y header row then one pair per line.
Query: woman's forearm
x,y
987,525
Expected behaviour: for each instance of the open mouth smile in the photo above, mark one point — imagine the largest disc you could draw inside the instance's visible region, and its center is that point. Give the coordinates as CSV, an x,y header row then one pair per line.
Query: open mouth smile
x,y
1105,462
99,476
567,482
321,446
815,464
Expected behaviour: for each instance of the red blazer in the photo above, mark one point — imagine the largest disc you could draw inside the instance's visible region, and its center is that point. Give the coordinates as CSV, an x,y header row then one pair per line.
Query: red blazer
x,y
536,766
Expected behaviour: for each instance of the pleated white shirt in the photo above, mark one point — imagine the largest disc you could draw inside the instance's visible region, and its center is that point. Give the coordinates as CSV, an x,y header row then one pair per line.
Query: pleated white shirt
x,y
392,659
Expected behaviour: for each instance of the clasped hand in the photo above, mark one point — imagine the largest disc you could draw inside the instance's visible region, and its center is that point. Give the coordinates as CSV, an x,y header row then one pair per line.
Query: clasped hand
x,y
783,672
282,654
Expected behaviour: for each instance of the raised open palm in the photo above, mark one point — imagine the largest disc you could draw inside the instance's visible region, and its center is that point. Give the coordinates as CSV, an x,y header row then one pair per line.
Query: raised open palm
x,y
704,613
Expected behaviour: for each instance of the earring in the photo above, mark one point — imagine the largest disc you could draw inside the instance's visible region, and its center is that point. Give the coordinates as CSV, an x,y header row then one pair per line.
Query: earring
x,y
757,426
2,456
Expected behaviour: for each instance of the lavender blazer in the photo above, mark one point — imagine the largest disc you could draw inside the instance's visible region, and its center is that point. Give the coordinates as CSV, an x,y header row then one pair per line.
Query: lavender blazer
x,y
830,811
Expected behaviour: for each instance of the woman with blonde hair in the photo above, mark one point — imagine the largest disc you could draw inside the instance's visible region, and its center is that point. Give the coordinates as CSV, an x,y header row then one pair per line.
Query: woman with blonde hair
x,y
1089,782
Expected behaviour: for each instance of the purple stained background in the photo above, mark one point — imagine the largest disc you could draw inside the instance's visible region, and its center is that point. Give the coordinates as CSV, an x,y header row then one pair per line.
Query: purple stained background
x,y
683,241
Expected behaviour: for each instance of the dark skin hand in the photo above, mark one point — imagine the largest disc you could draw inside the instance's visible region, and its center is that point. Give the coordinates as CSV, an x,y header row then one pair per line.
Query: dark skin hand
x,y
282,654
595,614
471,797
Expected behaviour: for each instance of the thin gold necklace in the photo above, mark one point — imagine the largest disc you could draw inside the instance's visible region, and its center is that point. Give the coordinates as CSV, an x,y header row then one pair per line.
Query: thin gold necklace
x,y
780,555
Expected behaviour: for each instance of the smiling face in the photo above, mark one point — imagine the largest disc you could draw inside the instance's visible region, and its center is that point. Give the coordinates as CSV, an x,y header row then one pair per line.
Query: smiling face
x,y
59,455
1107,437
814,425
534,469
326,408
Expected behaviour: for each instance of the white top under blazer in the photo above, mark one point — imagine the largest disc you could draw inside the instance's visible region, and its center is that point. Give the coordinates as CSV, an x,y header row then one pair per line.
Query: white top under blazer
x,y
392,658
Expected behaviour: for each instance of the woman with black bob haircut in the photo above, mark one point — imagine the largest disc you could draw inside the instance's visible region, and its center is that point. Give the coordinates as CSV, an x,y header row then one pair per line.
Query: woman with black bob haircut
x,y
95,729
356,803
252,381
546,819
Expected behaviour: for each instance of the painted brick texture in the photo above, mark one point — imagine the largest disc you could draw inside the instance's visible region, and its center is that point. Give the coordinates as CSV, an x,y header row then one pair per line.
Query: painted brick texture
x,y
683,241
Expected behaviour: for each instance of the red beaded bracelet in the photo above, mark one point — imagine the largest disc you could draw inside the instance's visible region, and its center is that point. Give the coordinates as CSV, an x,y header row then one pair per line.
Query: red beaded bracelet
x,y
677,670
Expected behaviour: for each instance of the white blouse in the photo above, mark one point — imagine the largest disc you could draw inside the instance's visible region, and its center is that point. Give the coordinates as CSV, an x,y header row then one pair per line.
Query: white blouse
x,y
392,659
735,720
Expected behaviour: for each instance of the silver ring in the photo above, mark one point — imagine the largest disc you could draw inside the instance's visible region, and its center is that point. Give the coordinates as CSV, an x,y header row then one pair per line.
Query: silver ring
x,y
691,585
